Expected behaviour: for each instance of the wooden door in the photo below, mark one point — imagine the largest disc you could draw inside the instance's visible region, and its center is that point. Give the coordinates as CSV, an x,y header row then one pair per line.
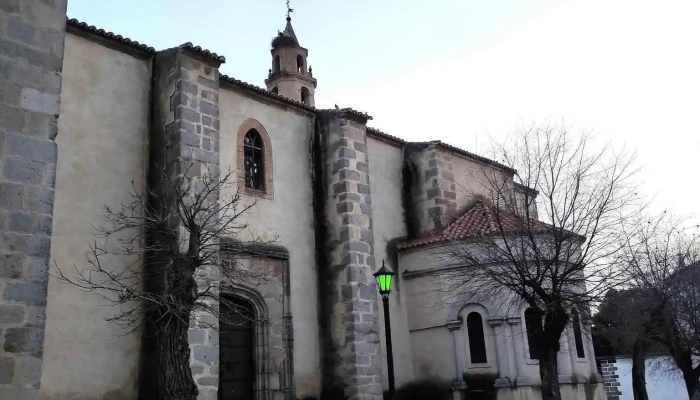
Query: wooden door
x,y
236,345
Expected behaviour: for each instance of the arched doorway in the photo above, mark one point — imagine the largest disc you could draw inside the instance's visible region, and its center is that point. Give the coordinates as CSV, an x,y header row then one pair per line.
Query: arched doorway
x,y
236,346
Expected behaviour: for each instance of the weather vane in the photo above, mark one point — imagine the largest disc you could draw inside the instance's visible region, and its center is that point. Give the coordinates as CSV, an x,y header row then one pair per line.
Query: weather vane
x,y
289,11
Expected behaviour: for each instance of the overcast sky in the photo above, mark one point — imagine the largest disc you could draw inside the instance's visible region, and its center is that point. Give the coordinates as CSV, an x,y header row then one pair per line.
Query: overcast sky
x,y
465,71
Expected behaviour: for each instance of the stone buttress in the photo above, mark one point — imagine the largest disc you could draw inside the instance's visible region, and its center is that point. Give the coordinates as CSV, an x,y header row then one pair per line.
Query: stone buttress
x,y
185,140
31,63
352,359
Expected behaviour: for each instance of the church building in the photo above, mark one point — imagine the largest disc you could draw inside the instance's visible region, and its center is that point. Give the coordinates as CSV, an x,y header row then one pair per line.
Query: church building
x,y
82,113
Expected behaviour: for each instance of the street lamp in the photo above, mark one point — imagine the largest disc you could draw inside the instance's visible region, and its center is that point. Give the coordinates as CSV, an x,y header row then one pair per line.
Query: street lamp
x,y
384,277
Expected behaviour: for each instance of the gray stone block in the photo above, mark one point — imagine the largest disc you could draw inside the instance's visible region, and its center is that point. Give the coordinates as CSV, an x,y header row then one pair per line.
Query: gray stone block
x,y
21,170
208,108
344,207
187,87
20,222
11,314
28,371
208,381
197,369
190,139
36,316
11,119
9,6
361,147
207,354
7,365
196,336
349,174
29,293
38,270
24,340
39,200
211,84
10,92
207,394
345,152
11,265
44,224
41,126
18,393
38,246
20,30
187,114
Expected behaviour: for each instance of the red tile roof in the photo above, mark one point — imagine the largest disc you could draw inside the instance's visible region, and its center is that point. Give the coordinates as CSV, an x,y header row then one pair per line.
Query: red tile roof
x,y
482,219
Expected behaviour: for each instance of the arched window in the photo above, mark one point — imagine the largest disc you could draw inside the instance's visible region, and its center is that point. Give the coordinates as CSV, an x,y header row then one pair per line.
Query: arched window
x,y
533,327
300,64
278,64
477,344
305,95
578,337
275,90
253,157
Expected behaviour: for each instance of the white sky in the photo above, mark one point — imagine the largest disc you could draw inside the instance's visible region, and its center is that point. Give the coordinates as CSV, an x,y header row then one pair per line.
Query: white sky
x,y
465,71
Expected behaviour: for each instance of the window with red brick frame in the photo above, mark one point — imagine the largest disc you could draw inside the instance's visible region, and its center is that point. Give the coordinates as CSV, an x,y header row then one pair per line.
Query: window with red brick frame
x,y
260,177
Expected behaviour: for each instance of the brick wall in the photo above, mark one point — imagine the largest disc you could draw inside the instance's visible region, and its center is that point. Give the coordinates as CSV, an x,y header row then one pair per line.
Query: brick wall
x,y
607,368
32,34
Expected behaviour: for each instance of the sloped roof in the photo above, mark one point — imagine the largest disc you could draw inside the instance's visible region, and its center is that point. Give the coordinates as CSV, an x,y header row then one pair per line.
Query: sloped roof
x,y
482,219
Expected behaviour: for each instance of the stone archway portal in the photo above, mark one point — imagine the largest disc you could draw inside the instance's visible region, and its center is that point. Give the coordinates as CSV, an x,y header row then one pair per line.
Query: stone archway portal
x,y
236,346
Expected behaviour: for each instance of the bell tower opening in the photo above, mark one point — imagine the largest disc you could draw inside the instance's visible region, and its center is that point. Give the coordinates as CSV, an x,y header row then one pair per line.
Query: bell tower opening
x,y
290,76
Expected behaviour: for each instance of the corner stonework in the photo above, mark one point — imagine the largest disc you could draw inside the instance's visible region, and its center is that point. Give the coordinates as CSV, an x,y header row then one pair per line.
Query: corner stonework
x,y
186,105
31,63
354,351
433,189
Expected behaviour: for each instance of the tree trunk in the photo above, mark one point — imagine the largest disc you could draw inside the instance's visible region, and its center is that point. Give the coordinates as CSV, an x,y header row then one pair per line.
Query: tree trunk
x,y
174,373
553,326
639,384
691,381
549,372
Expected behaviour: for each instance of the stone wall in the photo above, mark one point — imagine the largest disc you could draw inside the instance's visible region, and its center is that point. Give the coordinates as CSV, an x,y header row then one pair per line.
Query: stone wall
x,y
185,140
32,33
353,354
432,203
611,379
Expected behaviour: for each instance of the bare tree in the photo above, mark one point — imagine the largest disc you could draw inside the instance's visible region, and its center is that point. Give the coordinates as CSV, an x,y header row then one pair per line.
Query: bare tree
x,y
172,246
557,254
662,258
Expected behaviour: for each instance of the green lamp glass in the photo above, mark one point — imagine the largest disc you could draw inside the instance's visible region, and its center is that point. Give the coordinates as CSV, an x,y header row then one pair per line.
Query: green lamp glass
x,y
384,277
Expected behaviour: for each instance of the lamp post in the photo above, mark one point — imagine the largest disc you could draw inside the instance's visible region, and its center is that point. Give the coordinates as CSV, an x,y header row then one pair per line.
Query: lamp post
x,y
384,277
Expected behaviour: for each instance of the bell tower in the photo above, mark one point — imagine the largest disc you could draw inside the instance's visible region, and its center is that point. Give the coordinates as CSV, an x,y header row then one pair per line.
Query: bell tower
x,y
290,75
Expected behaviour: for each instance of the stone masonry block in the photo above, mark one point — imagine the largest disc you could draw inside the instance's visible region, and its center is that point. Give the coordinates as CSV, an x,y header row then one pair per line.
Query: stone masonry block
x,y
24,340
11,266
11,314
28,371
349,174
36,316
206,354
361,147
196,336
44,103
20,222
20,170
7,366
208,108
29,293
211,84
38,270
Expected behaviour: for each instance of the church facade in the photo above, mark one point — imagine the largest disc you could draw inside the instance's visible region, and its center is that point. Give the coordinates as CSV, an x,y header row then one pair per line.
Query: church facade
x,y
92,109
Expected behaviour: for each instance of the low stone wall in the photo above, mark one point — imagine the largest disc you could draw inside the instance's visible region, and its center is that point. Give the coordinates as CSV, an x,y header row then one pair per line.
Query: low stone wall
x,y
607,368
